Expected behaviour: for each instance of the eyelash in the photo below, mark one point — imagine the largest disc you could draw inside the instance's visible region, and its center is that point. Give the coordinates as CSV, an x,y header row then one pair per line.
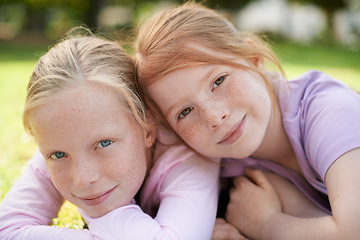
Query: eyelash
x,y
186,110
99,145
107,141
220,80
53,156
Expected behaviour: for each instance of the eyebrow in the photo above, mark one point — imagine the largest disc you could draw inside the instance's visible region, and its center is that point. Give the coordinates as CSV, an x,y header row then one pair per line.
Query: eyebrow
x,y
208,73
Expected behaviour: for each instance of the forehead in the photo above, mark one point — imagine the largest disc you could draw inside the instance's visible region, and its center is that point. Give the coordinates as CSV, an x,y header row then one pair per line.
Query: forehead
x,y
84,104
193,54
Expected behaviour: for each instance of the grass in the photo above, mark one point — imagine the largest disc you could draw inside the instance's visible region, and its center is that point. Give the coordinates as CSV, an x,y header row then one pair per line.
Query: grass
x,y
335,61
17,62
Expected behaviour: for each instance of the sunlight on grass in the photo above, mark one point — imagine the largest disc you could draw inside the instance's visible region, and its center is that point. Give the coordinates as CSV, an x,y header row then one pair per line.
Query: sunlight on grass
x,y
16,147
349,76
332,60
69,217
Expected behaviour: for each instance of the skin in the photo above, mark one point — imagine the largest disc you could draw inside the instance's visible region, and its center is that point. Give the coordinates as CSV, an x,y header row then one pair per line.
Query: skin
x,y
224,230
204,103
211,104
97,154
257,202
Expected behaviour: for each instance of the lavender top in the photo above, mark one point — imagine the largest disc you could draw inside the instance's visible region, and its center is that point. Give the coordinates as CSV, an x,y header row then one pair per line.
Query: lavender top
x,y
321,117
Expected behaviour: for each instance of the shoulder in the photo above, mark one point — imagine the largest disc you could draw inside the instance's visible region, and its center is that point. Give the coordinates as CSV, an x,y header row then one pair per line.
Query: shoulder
x,y
312,90
321,116
167,157
316,82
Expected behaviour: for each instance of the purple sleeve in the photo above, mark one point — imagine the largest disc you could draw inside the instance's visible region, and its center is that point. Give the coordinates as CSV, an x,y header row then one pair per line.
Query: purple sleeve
x,y
31,204
331,122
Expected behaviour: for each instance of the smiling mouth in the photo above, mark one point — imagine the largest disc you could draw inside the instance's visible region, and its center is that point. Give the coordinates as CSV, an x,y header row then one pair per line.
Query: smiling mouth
x,y
97,199
234,134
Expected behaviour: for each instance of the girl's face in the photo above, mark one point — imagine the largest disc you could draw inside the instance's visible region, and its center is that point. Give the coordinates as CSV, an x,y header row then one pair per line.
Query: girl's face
x,y
218,110
95,151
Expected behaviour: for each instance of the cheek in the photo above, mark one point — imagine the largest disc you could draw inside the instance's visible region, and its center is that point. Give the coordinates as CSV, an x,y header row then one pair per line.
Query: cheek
x,y
191,132
61,179
127,163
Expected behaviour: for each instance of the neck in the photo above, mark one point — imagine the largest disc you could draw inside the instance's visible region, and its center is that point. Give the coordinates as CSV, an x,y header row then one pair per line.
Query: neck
x,y
276,146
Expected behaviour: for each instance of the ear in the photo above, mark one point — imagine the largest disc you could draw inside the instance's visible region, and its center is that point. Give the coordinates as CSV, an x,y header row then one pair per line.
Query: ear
x,y
150,131
257,61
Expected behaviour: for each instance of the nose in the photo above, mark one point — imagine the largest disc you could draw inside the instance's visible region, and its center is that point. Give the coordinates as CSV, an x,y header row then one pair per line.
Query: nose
x,y
85,171
214,115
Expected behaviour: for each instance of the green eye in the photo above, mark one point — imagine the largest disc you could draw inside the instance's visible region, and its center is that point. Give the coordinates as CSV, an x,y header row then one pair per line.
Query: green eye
x,y
185,112
57,155
218,81
104,143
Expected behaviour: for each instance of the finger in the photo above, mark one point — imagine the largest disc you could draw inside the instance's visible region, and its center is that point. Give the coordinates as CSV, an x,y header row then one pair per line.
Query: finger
x,y
225,231
258,177
241,180
220,221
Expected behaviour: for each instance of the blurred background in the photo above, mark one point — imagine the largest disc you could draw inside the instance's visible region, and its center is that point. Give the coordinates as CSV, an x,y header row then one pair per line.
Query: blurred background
x,y
303,21
306,34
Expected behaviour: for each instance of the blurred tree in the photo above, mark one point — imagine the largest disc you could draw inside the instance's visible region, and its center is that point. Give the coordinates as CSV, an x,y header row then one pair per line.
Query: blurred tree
x,y
226,4
329,6
56,16
84,11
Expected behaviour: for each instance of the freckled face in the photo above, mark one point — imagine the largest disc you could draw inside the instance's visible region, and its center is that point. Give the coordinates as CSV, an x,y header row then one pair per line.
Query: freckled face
x,y
219,110
94,149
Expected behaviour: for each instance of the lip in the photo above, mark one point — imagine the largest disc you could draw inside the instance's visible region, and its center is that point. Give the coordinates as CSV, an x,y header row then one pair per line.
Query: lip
x,y
97,199
234,133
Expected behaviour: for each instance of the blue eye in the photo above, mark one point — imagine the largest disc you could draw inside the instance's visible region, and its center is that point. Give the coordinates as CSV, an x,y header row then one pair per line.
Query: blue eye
x,y
57,155
218,81
185,112
104,143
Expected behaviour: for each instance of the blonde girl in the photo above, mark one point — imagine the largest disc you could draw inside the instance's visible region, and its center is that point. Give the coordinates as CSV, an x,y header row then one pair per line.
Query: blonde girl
x,y
98,150
217,89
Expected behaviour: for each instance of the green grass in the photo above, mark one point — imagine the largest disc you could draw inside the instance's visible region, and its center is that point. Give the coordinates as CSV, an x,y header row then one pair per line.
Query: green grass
x,y
15,145
17,62
335,61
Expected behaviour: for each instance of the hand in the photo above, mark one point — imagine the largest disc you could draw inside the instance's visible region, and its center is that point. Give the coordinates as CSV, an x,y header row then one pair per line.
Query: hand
x,y
225,231
253,201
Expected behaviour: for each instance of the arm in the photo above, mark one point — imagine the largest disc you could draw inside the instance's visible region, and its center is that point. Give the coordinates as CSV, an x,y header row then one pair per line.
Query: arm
x,y
187,192
342,181
31,204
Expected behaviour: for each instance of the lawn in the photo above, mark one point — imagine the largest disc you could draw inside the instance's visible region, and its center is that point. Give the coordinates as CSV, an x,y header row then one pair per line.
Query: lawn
x,y
17,62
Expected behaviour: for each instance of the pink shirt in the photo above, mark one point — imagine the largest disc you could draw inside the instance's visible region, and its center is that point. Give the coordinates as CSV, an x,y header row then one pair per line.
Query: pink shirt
x,y
180,194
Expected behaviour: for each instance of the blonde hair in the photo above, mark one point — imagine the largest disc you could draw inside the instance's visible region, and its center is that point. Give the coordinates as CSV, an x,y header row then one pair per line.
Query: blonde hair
x,y
163,46
80,60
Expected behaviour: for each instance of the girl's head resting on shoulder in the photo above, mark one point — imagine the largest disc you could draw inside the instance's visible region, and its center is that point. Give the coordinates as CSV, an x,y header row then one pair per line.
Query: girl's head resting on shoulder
x,y
176,39
205,80
85,114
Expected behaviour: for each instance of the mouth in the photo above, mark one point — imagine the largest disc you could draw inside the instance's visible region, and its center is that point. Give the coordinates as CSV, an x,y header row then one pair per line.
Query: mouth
x,y
234,134
97,199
